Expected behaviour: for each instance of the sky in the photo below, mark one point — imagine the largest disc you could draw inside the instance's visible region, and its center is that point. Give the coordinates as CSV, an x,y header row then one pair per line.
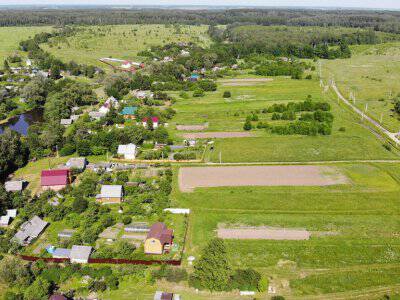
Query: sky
x,y
388,4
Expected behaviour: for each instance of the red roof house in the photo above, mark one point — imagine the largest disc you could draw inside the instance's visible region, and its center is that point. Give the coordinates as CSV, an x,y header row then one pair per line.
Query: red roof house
x,y
154,119
55,179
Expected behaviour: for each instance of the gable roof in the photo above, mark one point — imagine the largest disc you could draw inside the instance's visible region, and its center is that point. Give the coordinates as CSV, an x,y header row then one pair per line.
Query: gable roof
x,y
160,232
54,177
80,252
14,186
127,149
76,162
66,121
62,252
154,119
111,191
30,230
129,110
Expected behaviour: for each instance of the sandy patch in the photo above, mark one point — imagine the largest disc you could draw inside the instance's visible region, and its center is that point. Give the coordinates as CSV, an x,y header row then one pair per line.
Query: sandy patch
x,y
192,127
217,135
194,177
263,233
244,81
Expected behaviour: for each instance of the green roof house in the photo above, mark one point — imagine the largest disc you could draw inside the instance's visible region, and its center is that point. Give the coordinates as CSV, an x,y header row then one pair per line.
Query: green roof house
x,y
129,112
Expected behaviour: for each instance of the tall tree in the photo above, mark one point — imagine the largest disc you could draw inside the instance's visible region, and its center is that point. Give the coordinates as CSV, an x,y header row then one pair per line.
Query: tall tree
x,y
212,271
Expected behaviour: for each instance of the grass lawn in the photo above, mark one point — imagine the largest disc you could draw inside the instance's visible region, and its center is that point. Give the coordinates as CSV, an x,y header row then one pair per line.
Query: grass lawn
x,y
120,41
372,74
362,218
356,142
11,36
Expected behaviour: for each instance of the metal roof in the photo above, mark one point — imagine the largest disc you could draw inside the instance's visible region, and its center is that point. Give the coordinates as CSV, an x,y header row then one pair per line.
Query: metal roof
x,y
111,191
80,252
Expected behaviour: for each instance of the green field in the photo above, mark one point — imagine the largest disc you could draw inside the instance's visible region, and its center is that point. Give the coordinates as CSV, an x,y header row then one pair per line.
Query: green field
x,y
11,36
363,215
372,74
91,43
355,143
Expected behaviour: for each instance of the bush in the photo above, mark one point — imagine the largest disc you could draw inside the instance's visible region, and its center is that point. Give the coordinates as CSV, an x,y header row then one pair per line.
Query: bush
x,y
245,280
126,220
342,129
184,155
68,149
309,77
207,85
247,125
198,93
387,146
227,94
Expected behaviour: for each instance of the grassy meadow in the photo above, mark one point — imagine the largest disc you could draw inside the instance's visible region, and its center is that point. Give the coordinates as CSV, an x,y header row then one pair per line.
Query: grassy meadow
x,y
354,230
91,43
11,36
372,74
355,143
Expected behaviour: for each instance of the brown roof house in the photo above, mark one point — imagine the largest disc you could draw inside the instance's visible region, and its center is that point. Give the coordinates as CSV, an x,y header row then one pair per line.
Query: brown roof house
x,y
110,194
159,239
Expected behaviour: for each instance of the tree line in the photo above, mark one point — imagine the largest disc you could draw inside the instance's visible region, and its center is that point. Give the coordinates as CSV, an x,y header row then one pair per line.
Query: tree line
x,y
387,21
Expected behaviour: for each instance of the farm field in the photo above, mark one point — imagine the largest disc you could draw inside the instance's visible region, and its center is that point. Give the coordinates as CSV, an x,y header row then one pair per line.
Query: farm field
x,y
354,230
229,115
11,36
91,43
372,74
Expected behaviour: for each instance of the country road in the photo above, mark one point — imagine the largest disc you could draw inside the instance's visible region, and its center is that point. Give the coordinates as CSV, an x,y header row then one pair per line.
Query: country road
x,y
390,135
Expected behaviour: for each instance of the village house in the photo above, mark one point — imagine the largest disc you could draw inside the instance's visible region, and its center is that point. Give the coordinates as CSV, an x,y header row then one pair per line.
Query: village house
x,y
129,112
164,296
6,219
110,194
15,185
127,151
78,163
110,102
80,254
66,122
30,230
97,115
55,179
159,239
154,119
142,94
77,254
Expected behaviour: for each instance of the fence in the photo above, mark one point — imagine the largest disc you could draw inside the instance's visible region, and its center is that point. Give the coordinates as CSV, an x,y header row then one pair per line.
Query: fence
x,y
115,261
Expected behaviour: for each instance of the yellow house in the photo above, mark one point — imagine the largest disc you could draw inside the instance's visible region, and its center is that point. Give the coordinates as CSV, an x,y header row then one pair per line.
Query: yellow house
x,y
110,194
159,239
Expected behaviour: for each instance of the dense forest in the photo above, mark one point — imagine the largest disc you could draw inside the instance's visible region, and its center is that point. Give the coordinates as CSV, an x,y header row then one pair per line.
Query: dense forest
x,y
378,20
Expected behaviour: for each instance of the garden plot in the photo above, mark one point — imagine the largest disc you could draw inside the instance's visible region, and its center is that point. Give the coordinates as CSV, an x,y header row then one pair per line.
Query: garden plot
x,y
217,135
194,177
244,81
264,233
199,127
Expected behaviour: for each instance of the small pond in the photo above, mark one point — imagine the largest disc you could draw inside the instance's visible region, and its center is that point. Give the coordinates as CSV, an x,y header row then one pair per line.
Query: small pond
x,y
22,122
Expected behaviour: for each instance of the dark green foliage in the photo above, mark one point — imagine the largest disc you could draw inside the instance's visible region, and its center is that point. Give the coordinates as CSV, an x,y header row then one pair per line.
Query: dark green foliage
x,y
184,155
227,94
126,220
68,149
280,68
79,205
212,271
245,280
170,274
247,125
207,85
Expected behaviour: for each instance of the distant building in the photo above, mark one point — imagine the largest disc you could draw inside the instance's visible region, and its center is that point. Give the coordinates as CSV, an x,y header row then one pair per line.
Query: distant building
x,y
30,230
14,185
159,239
61,253
154,119
165,296
127,151
110,194
110,102
97,115
57,297
129,112
66,122
194,77
66,233
77,163
55,179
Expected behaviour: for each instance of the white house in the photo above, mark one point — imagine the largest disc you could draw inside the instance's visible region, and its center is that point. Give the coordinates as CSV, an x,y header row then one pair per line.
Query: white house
x,y
110,102
127,151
